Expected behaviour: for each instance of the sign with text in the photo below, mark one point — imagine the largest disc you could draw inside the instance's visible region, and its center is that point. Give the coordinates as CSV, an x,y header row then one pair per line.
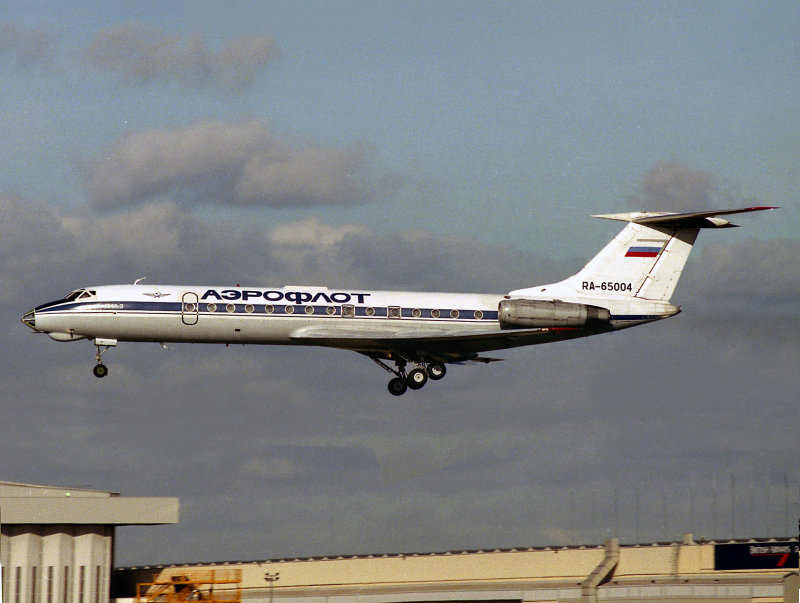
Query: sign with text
x,y
756,555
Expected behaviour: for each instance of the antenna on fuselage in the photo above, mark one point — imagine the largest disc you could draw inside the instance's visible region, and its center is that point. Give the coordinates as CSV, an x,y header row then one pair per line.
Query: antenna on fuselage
x,y
139,280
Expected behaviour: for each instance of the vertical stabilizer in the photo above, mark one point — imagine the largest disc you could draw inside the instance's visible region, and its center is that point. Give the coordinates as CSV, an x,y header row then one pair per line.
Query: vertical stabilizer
x,y
641,261
644,261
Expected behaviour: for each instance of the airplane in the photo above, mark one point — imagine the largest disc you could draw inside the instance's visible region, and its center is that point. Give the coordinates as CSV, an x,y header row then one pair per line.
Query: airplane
x,y
628,283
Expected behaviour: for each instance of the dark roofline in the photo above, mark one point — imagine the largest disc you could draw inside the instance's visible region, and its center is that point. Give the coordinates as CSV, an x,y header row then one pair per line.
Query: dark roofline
x,y
574,547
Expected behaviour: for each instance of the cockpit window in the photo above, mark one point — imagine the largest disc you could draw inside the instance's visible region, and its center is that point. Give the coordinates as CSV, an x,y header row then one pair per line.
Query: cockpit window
x,y
80,294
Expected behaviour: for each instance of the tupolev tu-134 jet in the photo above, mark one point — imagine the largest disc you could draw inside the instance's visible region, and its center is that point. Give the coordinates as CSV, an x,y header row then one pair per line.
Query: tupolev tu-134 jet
x,y
628,283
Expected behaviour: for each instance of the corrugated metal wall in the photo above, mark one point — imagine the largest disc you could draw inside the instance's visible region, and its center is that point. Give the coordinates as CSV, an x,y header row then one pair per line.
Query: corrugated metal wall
x,y
56,563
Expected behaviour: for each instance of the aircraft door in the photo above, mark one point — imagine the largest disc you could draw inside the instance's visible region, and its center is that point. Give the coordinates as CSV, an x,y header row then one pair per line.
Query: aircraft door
x,y
190,307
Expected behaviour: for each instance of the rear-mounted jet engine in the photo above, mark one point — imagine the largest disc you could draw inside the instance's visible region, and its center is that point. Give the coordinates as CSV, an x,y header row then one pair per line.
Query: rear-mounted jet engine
x,y
543,313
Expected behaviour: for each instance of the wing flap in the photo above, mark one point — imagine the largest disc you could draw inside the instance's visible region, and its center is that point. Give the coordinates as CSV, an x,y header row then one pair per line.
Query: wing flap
x,y
382,331
424,344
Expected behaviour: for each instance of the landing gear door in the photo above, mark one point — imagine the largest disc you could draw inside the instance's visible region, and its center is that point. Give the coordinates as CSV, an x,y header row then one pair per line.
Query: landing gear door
x,y
189,308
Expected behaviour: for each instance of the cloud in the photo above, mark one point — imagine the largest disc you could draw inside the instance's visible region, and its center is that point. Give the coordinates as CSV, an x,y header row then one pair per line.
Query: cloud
x,y
27,46
751,276
557,444
312,232
243,164
144,53
671,186
45,253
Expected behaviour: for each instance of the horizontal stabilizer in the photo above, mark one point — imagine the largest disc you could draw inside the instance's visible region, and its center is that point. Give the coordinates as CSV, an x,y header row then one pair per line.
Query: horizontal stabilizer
x,y
643,262
700,219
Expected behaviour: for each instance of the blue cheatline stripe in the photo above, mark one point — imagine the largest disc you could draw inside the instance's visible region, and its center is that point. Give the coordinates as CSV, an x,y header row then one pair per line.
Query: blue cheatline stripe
x,y
220,308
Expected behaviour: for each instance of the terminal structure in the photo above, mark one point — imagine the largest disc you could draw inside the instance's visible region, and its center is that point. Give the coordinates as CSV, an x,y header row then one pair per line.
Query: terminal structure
x,y
755,570
57,544
57,547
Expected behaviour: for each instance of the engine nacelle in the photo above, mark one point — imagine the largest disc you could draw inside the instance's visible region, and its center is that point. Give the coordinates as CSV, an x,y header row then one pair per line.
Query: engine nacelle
x,y
542,313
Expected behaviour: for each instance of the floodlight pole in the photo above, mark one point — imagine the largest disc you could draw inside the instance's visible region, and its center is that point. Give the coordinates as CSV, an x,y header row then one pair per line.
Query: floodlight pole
x,y
272,578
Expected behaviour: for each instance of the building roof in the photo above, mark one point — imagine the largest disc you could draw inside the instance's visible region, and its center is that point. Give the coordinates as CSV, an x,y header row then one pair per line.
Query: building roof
x,y
36,504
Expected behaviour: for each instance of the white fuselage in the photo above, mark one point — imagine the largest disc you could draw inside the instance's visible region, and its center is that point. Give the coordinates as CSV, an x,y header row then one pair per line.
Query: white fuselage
x,y
628,283
255,315
286,315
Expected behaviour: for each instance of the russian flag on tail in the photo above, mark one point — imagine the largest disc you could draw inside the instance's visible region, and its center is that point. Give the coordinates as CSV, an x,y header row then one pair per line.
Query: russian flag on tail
x,y
643,251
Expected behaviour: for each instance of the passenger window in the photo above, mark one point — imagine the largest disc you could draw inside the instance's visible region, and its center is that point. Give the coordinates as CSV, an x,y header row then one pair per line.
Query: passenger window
x,y
394,311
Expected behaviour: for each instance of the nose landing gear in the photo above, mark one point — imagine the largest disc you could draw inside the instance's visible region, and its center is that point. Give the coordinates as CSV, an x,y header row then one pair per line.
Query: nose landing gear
x,y
415,379
100,370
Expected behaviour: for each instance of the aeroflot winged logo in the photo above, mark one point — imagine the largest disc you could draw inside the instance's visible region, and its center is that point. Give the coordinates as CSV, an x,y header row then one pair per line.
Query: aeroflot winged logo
x,y
295,297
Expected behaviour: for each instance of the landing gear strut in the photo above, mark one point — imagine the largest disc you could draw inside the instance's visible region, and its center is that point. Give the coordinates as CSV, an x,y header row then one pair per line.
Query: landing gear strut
x,y
100,370
416,378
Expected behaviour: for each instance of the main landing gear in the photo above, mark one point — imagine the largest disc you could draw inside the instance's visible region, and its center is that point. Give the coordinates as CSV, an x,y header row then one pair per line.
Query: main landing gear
x,y
416,378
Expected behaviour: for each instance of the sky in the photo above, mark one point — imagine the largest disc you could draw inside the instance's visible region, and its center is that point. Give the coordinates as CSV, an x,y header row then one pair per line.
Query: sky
x,y
433,146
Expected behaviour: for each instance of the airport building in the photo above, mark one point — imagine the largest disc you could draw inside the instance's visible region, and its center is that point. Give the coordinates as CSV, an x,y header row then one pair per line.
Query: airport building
x,y
57,547
756,570
57,544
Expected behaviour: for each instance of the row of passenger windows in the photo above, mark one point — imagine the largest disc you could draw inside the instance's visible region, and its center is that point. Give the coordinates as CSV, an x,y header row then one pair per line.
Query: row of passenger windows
x,y
347,310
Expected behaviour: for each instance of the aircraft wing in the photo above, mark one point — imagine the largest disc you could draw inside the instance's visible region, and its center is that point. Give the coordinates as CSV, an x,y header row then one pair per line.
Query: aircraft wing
x,y
423,344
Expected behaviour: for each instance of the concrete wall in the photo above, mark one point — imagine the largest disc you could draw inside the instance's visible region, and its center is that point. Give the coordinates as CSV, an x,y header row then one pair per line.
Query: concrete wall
x,y
682,572
57,544
56,563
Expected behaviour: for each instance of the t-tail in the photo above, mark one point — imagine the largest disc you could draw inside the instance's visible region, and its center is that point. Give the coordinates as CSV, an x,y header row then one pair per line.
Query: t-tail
x,y
641,266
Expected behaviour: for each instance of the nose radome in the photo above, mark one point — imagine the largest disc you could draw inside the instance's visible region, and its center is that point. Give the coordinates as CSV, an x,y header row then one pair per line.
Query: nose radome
x,y
29,318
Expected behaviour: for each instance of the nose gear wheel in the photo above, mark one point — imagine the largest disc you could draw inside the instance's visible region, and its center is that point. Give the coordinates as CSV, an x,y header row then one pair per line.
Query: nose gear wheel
x,y
100,370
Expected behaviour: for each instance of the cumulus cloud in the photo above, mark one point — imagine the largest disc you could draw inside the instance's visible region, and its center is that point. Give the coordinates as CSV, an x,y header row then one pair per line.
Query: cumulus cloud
x,y
231,164
671,186
44,253
143,53
27,46
312,232
755,275
306,439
